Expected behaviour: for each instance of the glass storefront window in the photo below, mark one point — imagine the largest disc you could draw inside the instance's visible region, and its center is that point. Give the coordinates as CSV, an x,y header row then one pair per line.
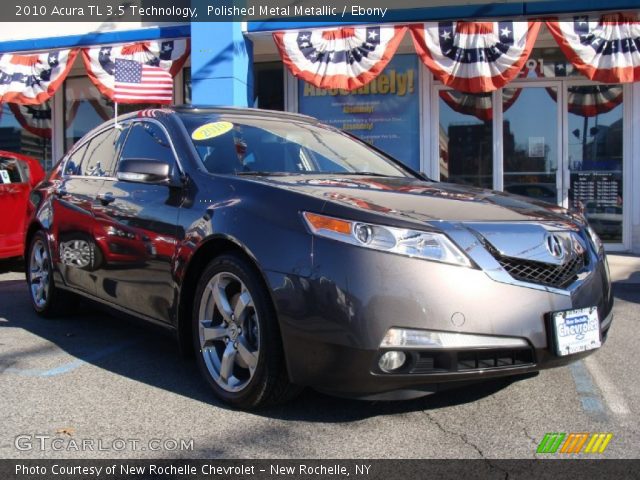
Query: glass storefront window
x,y
268,85
186,76
530,142
85,108
466,138
595,159
27,130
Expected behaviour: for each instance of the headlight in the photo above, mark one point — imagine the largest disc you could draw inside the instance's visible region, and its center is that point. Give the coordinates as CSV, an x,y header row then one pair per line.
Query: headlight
x,y
597,243
412,243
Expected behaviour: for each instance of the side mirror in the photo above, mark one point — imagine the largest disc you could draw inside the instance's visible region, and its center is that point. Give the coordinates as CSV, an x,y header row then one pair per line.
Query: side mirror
x,y
142,170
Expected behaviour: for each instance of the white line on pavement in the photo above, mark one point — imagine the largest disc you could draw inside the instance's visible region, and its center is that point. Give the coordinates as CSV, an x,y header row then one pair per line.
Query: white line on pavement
x,y
610,392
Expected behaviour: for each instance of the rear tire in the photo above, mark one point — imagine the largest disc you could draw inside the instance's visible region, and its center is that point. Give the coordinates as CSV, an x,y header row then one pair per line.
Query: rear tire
x,y
47,300
236,336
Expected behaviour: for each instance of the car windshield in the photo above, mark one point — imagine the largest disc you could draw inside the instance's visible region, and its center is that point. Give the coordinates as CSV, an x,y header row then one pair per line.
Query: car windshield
x,y
246,145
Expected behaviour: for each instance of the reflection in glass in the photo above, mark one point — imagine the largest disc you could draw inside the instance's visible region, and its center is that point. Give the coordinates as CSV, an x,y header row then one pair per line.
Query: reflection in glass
x,y
595,161
466,142
27,130
530,142
186,75
85,108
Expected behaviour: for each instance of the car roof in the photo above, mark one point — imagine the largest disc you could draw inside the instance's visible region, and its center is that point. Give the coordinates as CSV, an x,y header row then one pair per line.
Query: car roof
x,y
158,113
256,112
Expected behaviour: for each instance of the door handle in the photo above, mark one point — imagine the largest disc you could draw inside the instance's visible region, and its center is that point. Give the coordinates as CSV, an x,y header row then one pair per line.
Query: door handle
x,y
105,198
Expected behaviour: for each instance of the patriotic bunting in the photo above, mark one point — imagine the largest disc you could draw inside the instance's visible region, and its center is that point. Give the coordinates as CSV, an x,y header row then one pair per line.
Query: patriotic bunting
x,y
606,50
591,100
100,62
583,100
34,118
475,57
37,118
480,105
33,79
345,58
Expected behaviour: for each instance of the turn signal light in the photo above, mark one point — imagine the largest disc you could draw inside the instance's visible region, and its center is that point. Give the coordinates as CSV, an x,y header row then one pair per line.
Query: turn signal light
x,y
320,222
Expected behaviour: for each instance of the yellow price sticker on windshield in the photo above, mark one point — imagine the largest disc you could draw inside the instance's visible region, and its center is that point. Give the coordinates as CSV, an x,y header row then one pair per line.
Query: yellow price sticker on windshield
x,y
211,130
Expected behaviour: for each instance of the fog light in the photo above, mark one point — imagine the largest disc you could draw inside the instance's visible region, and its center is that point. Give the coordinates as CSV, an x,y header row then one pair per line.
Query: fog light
x,y
392,360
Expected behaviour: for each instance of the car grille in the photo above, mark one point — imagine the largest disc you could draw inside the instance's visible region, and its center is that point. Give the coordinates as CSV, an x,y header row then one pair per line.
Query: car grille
x,y
540,273
471,360
557,276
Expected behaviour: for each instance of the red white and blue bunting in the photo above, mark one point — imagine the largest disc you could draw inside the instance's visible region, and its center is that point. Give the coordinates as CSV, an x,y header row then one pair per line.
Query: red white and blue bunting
x,y
33,79
480,105
169,55
34,118
604,49
590,100
345,58
583,100
475,56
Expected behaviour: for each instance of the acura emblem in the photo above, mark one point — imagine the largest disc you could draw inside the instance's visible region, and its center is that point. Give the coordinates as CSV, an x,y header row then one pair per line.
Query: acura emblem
x,y
554,246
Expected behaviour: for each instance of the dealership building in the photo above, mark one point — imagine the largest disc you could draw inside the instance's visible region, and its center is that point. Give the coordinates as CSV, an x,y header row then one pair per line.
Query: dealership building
x,y
538,98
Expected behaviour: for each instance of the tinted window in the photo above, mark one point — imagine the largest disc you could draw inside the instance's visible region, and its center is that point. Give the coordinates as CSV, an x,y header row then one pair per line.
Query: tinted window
x,y
100,159
147,140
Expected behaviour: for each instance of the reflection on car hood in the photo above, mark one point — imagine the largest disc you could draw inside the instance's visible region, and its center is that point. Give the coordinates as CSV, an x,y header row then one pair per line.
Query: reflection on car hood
x,y
418,200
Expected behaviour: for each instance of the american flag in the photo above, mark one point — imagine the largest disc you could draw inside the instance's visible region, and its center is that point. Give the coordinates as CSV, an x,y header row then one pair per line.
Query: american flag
x,y
138,83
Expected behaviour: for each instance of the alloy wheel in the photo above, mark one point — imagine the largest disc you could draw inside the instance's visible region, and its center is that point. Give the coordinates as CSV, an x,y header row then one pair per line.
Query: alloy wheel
x,y
39,281
229,332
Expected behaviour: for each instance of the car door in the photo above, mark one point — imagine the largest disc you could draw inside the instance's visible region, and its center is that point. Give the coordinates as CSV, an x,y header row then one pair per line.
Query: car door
x,y
14,190
76,233
140,225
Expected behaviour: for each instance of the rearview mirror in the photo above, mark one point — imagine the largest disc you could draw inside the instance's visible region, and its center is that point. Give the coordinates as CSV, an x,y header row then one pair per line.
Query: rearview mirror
x,y
143,170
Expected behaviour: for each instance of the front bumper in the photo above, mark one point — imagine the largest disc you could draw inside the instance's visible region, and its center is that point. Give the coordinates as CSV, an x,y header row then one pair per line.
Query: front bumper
x,y
332,322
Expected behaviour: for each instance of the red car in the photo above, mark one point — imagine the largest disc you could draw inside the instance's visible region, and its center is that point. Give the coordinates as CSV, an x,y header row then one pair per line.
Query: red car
x,y
18,175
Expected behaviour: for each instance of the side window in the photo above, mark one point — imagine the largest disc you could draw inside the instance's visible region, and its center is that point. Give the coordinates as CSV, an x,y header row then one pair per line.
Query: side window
x,y
100,158
72,166
147,140
11,171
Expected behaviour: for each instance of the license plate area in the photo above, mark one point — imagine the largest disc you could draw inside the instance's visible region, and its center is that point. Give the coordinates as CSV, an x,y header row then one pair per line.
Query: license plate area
x,y
576,331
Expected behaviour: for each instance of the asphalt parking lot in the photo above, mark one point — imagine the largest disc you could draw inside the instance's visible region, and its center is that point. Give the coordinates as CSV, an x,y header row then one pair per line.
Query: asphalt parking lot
x,y
95,386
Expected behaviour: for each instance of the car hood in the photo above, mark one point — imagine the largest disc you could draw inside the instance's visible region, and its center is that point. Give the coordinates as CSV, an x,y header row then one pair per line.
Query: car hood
x,y
417,200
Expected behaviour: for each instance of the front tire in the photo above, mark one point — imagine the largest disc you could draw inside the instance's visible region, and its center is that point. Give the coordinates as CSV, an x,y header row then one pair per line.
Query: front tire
x,y
236,336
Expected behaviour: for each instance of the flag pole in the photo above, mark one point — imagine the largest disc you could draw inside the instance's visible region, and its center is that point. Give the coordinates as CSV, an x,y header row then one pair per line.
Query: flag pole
x,y
115,119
